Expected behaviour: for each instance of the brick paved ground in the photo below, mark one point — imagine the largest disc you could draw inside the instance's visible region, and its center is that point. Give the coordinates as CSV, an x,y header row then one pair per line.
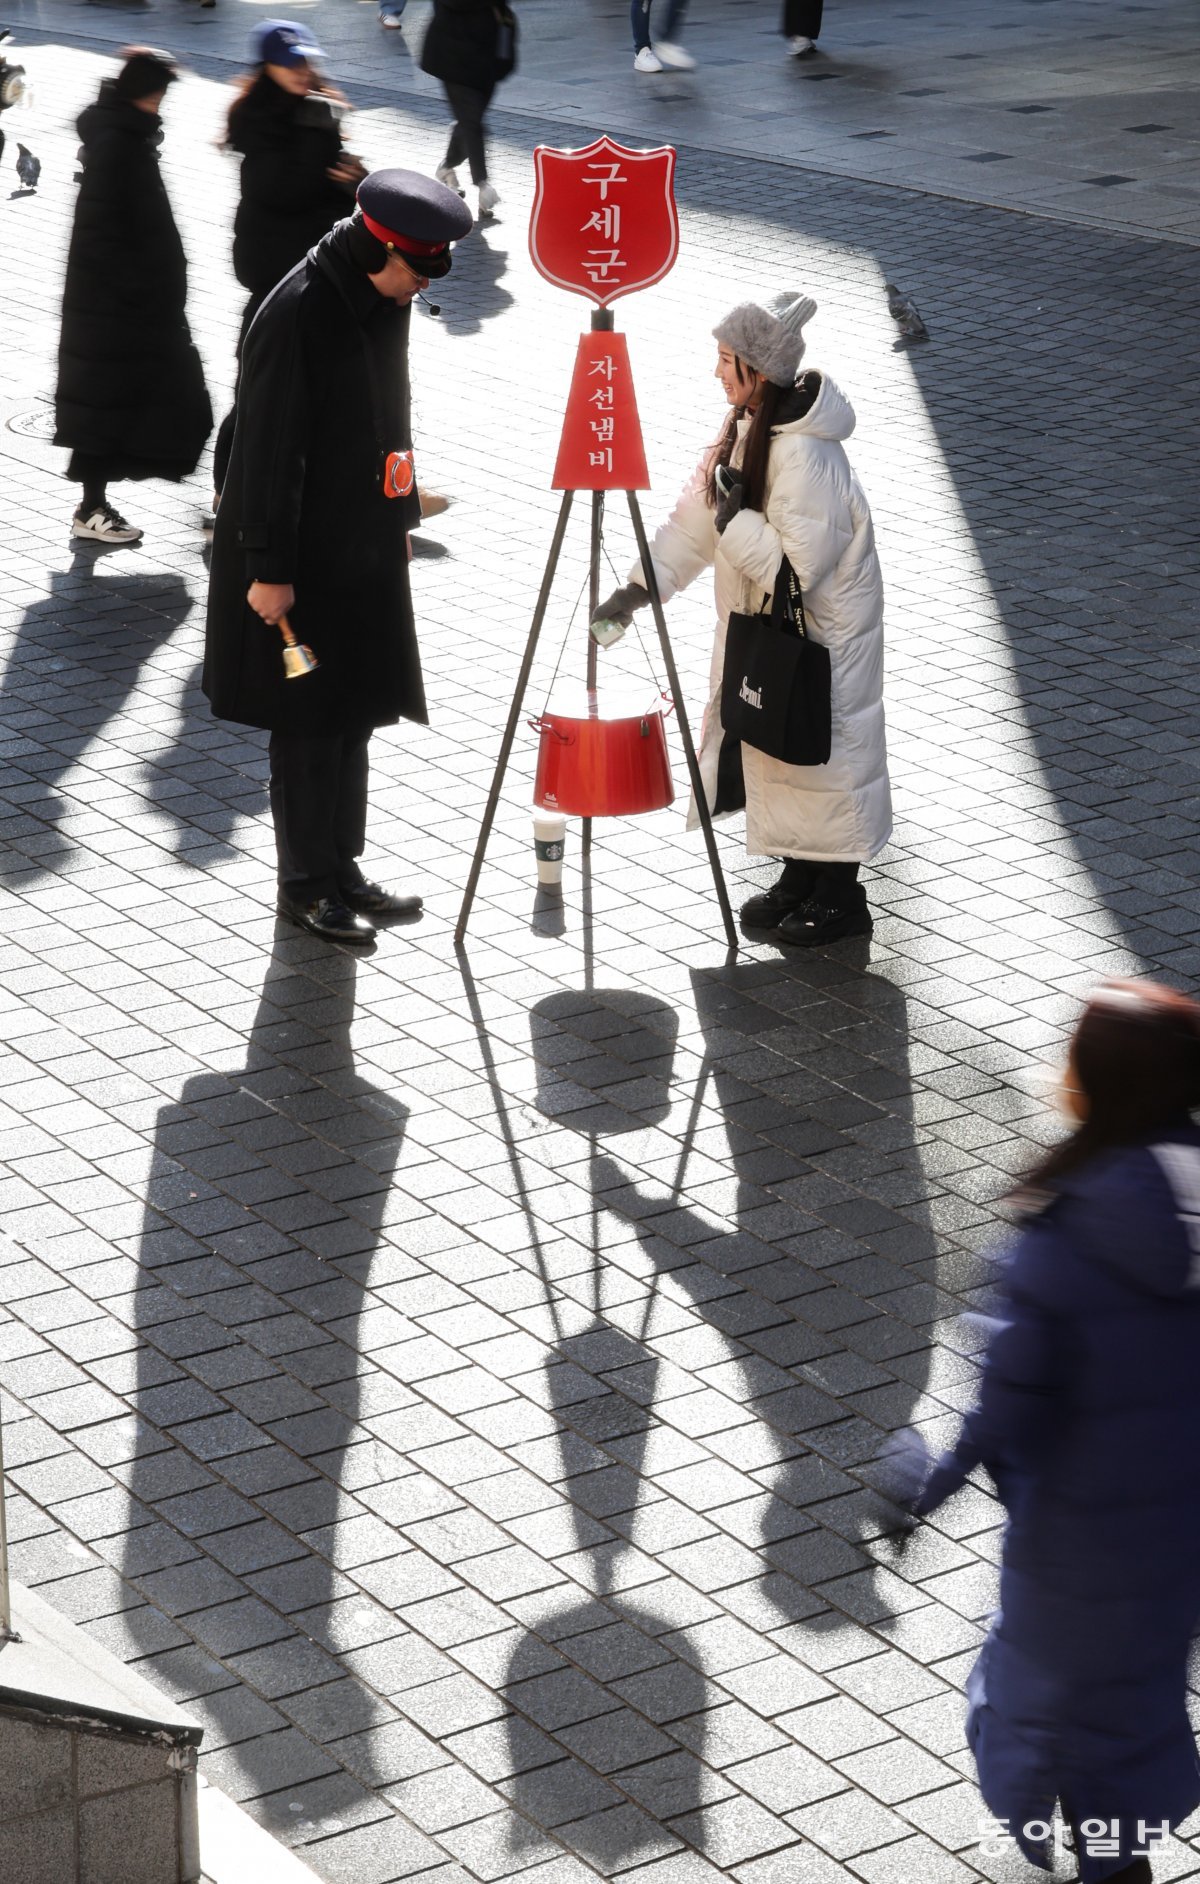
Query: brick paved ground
x,y
458,1380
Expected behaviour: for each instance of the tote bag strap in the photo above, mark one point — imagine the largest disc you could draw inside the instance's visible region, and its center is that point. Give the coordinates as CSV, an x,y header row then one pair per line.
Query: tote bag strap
x,y
787,608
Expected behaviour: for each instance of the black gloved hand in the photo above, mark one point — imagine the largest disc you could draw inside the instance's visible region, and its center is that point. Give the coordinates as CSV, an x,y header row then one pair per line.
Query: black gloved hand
x,y
613,616
621,603
729,496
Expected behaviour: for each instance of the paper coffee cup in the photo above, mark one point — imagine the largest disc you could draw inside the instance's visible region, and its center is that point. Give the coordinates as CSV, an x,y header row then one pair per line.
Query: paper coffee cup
x,y
549,842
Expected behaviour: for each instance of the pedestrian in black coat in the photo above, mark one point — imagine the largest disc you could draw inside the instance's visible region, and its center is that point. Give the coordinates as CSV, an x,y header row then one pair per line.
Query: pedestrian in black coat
x,y
131,400
470,46
307,532
296,178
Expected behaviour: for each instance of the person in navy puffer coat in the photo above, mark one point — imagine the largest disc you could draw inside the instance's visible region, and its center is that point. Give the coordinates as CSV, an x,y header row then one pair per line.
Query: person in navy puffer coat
x,y
1088,1421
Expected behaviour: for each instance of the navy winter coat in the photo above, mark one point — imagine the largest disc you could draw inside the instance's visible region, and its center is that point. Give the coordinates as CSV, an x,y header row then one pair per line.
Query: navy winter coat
x,y
1089,1422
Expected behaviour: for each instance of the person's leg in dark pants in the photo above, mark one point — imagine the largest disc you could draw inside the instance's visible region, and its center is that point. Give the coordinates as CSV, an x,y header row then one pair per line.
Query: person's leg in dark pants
x,y
305,775
350,811
639,20
466,133
802,21
672,25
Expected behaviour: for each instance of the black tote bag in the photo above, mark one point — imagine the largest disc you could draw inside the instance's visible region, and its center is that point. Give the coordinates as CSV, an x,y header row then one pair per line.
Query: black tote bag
x,y
775,685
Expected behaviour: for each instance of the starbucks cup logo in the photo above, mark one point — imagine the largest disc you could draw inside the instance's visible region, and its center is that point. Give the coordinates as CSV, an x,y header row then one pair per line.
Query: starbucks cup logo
x,y
549,843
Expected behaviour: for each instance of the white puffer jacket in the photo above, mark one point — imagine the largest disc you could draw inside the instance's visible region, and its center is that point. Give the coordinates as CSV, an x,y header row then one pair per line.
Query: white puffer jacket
x,y
815,512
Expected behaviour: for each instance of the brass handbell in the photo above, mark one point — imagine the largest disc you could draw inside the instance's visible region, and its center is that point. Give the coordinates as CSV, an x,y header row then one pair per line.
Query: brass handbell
x,y
297,659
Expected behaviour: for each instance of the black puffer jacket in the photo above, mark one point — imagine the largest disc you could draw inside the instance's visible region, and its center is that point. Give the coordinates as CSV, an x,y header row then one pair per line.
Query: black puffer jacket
x,y
130,383
288,202
470,42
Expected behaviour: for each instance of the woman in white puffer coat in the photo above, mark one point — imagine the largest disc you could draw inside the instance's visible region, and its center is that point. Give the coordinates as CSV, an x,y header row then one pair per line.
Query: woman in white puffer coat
x,y
777,482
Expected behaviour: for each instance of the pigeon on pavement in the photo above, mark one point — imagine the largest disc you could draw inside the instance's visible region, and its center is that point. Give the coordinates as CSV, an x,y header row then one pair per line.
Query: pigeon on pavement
x,y
29,167
906,314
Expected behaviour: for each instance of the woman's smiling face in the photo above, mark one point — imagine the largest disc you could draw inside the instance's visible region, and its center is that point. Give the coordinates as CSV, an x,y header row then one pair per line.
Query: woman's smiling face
x,y
742,386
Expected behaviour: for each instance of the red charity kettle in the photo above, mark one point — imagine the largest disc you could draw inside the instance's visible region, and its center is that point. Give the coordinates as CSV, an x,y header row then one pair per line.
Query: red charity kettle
x,y
592,767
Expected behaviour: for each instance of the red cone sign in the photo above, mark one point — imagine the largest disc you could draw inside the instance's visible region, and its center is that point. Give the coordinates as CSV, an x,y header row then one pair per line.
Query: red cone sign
x,y
604,221
601,448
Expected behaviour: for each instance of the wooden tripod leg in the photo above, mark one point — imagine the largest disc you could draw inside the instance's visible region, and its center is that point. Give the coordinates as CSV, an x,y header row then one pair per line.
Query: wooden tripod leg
x,y
693,764
506,744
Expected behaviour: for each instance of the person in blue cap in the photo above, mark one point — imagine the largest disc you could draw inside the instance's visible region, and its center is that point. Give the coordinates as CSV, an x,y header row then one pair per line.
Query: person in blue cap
x,y
312,531
296,180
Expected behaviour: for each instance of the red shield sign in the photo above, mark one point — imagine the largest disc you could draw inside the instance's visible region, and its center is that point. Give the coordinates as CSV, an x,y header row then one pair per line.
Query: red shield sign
x,y
604,221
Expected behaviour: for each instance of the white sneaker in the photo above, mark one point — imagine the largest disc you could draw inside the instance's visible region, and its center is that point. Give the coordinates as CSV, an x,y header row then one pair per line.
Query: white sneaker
x,y
105,525
390,18
447,174
489,196
645,61
673,56
801,46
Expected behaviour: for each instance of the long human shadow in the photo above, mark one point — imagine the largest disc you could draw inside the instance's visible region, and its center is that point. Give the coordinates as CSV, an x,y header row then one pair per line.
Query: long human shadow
x,y
264,1210
786,1067
475,294
87,664
1088,545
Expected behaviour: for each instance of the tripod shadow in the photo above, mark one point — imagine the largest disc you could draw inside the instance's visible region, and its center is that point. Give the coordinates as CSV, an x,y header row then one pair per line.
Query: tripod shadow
x,y
253,1285
85,680
616,1636
785,1068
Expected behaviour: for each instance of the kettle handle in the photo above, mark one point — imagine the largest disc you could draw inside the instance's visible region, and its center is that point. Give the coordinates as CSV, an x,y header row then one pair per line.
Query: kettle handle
x,y
548,726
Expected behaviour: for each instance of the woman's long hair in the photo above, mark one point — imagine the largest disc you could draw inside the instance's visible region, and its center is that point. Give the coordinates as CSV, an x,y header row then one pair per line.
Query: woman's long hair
x,y
1135,1057
757,448
245,82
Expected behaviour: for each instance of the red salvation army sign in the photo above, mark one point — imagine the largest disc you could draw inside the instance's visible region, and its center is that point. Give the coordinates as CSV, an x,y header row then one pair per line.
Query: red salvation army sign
x,y
604,221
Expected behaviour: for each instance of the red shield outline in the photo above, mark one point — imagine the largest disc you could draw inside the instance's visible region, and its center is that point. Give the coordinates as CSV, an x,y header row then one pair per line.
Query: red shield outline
x,y
555,239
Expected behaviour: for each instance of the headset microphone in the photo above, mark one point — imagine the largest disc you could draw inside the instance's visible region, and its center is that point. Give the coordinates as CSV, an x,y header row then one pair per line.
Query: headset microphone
x,y
433,306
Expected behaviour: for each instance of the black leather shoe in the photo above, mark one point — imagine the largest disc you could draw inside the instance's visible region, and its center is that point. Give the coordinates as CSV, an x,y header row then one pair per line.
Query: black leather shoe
x,y
373,900
815,924
328,918
768,909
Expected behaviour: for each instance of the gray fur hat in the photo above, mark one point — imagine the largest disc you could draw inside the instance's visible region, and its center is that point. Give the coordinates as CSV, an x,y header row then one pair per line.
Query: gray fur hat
x,y
769,335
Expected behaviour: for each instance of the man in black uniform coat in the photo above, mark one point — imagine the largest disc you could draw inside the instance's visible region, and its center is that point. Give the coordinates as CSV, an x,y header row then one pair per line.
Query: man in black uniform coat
x,y
313,526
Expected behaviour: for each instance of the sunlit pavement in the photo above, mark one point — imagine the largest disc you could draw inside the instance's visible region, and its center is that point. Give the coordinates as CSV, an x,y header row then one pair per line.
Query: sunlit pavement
x,y
457,1379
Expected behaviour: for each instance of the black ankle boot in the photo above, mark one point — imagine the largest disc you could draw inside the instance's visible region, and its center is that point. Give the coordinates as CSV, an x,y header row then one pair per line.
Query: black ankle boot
x,y
833,911
794,887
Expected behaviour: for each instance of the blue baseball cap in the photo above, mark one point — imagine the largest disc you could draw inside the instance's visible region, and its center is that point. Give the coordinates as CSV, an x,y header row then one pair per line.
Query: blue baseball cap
x,y
285,42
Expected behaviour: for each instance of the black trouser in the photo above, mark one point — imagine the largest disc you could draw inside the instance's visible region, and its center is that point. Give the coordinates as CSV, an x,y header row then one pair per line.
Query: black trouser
x,y
466,133
92,472
802,19
319,807
224,444
831,883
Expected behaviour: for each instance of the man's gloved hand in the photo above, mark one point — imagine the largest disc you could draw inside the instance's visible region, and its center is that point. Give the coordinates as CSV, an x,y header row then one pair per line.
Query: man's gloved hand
x,y
729,496
614,615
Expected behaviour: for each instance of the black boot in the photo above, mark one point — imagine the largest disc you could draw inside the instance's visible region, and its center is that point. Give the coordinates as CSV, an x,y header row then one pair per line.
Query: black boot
x,y
768,909
836,908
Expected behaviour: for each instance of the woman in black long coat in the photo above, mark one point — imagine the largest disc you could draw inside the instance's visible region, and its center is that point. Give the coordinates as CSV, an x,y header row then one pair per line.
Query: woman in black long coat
x,y
470,46
296,181
131,400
